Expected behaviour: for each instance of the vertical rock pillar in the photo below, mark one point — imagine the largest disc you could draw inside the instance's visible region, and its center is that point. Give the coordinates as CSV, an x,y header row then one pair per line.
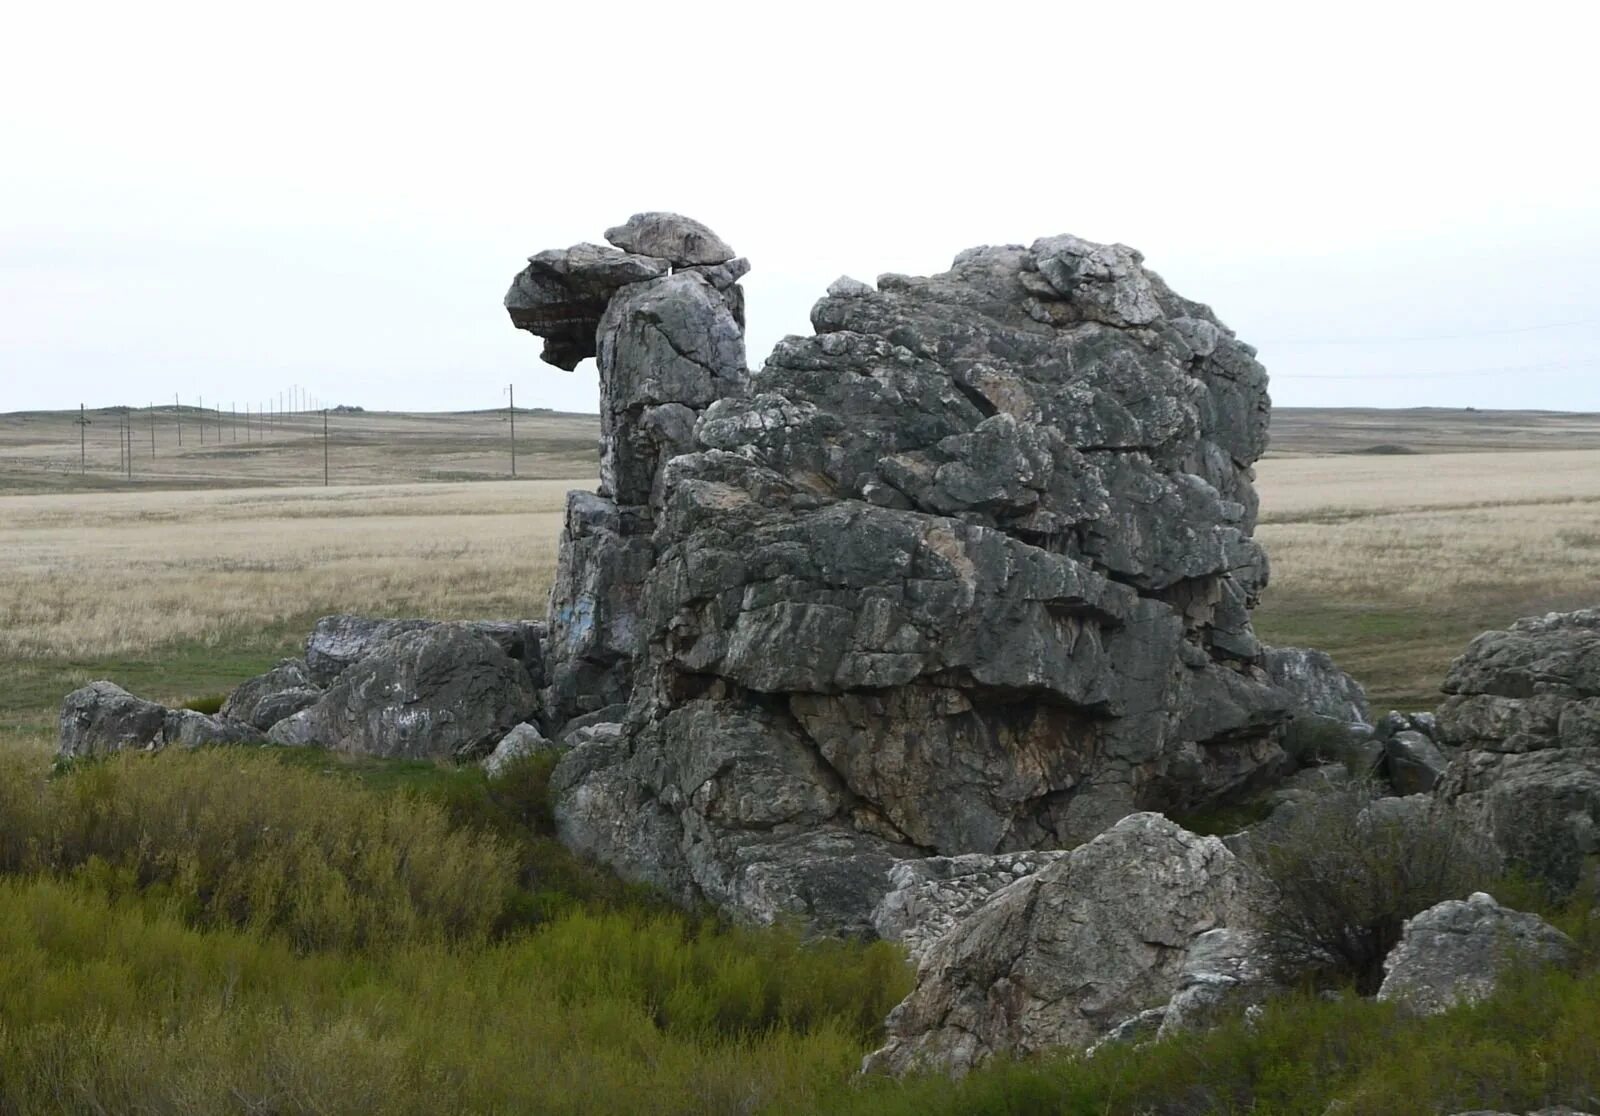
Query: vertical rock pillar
x,y
662,312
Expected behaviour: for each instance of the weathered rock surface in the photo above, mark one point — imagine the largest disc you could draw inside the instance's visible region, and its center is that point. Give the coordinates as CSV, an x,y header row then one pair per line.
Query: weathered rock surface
x,y
439,691
1225,973
1061,957
523,740
1331,717
1413,763
1524,718
1456,951
967,572
268,698
929,895
337,643
186,728
102,718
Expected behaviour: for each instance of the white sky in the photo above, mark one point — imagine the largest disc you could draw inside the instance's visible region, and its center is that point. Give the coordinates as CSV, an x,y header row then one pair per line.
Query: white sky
x,y
223,200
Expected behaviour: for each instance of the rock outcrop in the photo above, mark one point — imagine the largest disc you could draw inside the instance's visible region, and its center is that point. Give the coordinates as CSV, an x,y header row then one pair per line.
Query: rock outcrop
x,y
445,691
1062,957
1456,951
102,718
968,571
1523,716
522,741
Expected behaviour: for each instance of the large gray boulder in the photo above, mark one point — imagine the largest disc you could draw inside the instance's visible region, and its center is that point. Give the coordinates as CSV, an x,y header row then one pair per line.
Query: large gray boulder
x,y
968,571
1331,716
522,741
102,718
1456,952
1224,974
440,691
1060,958
1523,722
339,642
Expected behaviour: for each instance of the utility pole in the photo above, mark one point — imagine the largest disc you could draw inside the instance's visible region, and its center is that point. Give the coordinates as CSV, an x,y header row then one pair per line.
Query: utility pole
x,y
324,449
234,407
511,392
152,431
200,419
178,411
219,424
127,430
83,425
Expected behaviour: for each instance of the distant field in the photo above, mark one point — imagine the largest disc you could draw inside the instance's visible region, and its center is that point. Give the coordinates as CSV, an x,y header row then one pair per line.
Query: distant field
x,y
1393,563
1301,431
39,450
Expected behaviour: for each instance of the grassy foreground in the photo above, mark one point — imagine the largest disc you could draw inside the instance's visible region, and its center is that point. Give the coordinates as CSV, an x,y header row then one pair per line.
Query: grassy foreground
x,y
237,930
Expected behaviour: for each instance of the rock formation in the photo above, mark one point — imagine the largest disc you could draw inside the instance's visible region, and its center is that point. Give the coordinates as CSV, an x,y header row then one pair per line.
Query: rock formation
x,y
393,688
1524,719
968,571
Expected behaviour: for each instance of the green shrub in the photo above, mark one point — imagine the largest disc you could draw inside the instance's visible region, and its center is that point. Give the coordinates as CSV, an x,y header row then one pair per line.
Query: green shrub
x,y
1344,873
234,837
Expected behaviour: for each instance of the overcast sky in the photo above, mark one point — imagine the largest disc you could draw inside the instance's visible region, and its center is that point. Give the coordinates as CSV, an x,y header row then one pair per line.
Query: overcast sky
x,y
1398,203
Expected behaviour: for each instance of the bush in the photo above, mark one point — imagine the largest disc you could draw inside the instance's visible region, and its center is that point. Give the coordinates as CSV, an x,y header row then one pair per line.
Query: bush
x,y
1344,873
232,837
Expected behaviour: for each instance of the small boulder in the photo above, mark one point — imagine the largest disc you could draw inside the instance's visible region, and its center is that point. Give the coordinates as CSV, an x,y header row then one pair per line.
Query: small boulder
x,y
1060,958
1455,952
669,236
442,691
1413,762
268,698
102,718
523,740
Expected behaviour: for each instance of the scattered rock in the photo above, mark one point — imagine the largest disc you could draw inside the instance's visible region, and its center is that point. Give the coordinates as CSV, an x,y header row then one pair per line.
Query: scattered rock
x,y
1455,952
523,740
268,698
1060,958
102,718
439,691
1524,718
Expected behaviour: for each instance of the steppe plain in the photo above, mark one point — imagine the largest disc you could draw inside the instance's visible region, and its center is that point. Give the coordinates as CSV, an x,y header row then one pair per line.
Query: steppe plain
x,y
125,985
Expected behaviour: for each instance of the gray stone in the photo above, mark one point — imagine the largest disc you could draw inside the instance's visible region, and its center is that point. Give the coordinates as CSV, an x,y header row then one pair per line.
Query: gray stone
x,y
1060,958
1320,687
268,698
1225,973
1523,719
440,691
1456,952
1413,762
522,741
337,642
186,728
677,239
102,718
929,895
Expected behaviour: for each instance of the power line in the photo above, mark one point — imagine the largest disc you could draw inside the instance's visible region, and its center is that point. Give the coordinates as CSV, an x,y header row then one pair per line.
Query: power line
x,y
1426,336
1548,366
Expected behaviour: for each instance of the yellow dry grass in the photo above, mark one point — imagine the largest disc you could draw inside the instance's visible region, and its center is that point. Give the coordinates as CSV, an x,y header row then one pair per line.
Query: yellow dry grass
x,y
1421,529
111,573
